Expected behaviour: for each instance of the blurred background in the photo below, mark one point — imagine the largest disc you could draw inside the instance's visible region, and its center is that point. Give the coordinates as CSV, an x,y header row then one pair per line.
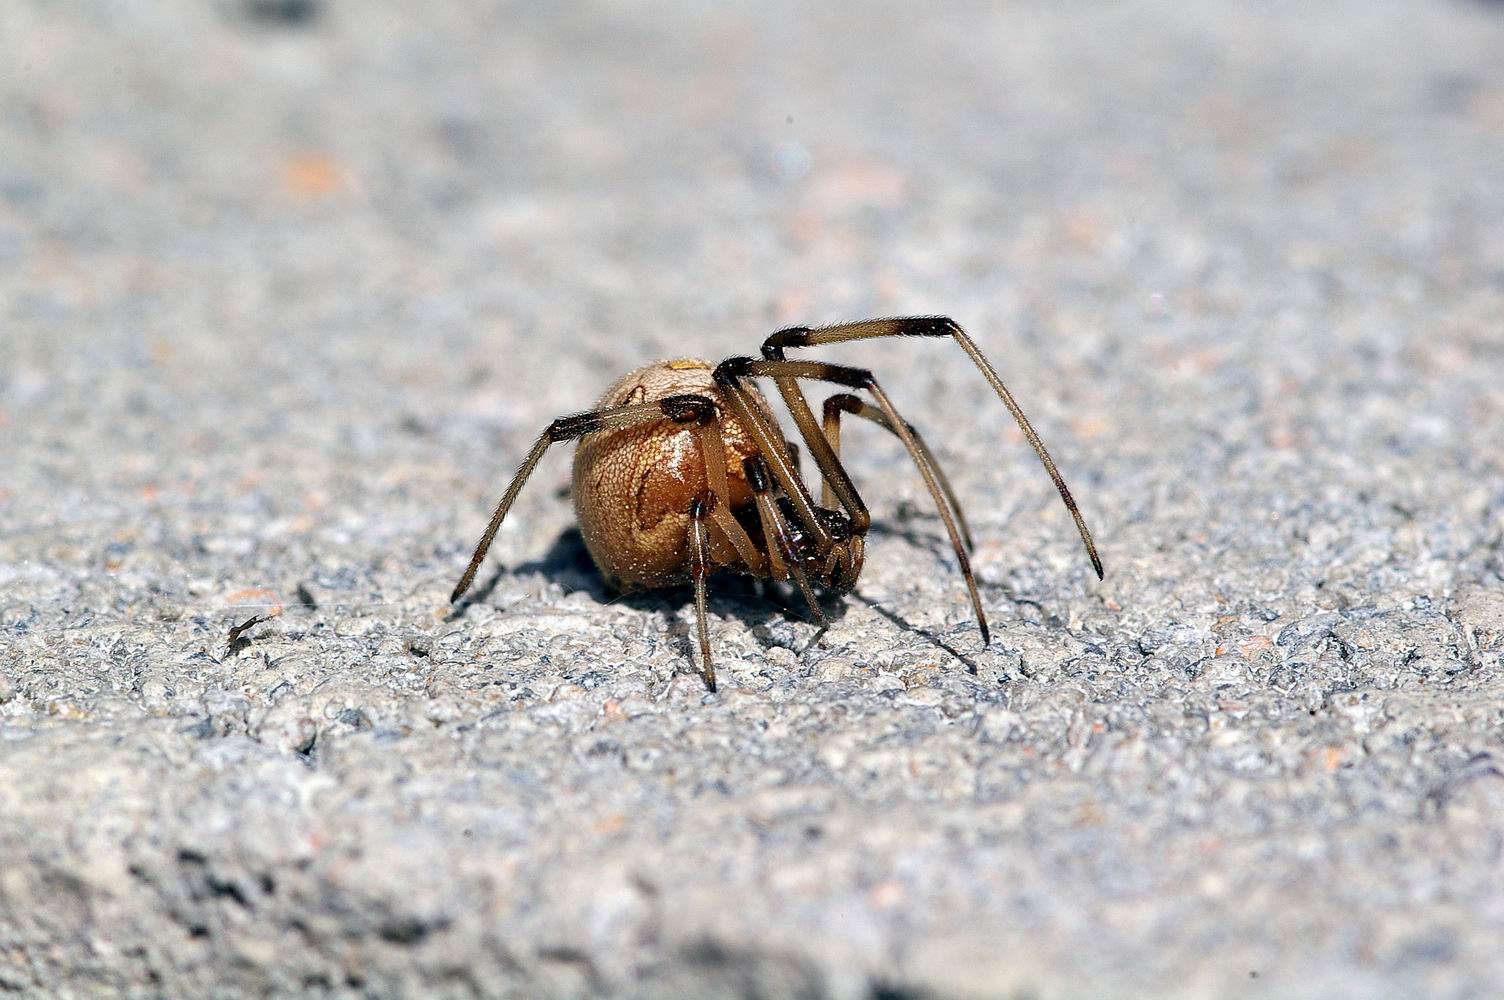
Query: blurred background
x,y
288,286
328,263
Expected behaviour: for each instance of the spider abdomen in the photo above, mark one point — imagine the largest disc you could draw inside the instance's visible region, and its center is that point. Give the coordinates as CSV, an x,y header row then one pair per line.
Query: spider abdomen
x,y
633,486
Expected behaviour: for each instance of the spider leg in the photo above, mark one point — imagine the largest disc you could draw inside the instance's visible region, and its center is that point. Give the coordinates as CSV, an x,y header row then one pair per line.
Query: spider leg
x,y
860,378
844,402
730,376
781,555
699,562
832,472
713,453
793,450
937,326
680,409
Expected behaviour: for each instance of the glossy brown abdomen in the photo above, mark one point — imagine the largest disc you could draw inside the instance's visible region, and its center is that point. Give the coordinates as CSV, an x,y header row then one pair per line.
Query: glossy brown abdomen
x,y
633,487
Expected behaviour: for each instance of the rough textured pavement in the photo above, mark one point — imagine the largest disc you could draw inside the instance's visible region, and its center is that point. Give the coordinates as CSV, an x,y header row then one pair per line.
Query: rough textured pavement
x,y
287,287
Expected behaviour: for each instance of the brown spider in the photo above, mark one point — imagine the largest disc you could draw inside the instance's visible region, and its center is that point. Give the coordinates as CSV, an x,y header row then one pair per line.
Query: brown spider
x,y
682,469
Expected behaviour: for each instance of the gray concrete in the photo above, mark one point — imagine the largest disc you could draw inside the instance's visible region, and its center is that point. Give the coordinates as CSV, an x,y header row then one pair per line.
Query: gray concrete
x,y
286,288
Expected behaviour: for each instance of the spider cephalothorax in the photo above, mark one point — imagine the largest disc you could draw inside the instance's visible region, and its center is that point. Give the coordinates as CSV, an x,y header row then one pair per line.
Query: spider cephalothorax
x,y
682,470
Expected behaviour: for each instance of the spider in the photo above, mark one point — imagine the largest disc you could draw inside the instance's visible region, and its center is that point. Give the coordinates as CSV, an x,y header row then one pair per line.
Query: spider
x,y
682,470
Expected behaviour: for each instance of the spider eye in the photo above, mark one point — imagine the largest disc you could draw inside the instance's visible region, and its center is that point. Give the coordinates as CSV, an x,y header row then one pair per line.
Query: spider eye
x,y
836,522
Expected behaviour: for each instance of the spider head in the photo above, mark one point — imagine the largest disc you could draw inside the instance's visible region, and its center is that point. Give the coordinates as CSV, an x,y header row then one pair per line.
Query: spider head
x,y
837,566
842,565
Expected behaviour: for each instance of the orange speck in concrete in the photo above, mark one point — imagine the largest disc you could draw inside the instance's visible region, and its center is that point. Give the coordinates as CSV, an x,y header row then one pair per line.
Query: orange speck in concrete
x,y
310,176
256,596
886,895
1089,427
1085,230
859,183
610,824
792,305
1254,646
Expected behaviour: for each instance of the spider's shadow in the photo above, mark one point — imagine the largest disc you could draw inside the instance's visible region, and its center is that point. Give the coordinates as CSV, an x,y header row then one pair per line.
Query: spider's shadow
x,y
937,546
905,625
756,603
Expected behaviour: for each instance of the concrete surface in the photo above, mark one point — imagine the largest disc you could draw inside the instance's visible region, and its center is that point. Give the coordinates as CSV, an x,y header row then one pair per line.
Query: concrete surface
x,y
286,288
